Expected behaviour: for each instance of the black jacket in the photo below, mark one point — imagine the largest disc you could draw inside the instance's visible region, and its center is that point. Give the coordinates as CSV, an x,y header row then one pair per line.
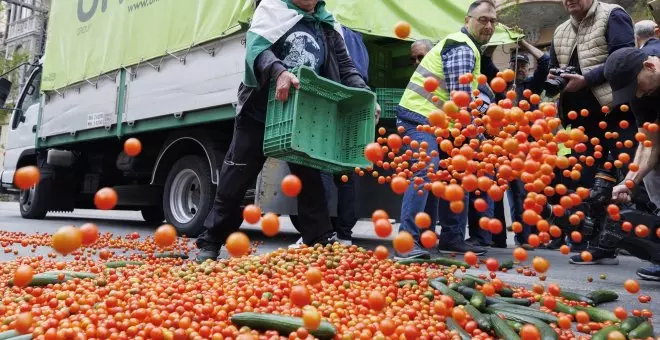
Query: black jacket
x,y
337,67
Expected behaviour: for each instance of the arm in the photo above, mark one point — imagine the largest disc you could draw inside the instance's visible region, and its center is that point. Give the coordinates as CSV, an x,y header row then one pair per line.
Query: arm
x,y
531,49
349,74
645,157
456,61
554,63
620,34
268,66
541,73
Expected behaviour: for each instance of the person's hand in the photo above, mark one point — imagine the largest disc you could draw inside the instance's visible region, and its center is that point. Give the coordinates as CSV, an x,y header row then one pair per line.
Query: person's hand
x,y
576,82
621,194
377,112
284,82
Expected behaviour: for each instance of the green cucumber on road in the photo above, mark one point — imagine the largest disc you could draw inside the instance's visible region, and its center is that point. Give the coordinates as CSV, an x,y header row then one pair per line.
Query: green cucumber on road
x,y
453,326
527,311
482,320
438,260
478,300
78,275
631,323
171,255
576,297
469,292
281,323
599,314
502,329
602,296
563,308
22,337
547,333
403,283
442,288
504,291
605,331
120,264
9,334
506,264
643,331
516,326
44,279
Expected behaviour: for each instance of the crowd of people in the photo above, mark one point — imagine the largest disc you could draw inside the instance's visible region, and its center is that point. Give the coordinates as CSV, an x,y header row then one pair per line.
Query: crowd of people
x,y
615,62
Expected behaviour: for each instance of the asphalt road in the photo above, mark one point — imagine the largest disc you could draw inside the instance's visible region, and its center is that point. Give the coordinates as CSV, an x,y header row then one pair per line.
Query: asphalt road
x,y
570,277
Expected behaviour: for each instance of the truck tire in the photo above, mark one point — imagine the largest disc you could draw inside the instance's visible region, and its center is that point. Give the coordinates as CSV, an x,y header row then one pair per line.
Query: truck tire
x,y
33,202
188,195
153,215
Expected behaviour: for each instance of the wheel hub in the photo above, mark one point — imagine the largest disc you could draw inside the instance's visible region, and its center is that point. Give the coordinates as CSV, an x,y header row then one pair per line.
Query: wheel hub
x,y
26,198
185,196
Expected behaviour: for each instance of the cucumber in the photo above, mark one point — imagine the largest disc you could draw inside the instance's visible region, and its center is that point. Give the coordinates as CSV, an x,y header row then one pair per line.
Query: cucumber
x,y
45,279
643,331
482,320
506,292
9,334
119,264
282,324
403,283
599,314
467,283
562,308
442,288
468,292
453,326
171,255
442,279
631,323
602,296
547,333
438,260
22,337
78,275
517,326
576,297
605,331
527,311
508,264
478,300
513,301
502,329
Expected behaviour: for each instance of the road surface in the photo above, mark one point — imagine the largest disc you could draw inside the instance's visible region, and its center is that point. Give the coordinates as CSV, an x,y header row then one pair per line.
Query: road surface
x,y
570,277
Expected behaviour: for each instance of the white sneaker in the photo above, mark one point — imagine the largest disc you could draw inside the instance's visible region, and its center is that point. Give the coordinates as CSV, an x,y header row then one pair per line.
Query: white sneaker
x,y
343,242
296,245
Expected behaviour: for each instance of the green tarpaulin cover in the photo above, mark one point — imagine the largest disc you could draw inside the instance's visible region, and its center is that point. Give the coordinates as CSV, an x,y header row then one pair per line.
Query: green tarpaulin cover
x,y
87,38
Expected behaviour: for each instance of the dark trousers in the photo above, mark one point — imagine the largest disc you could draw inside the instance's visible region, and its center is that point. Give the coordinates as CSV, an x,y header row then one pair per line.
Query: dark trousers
x,y
346,204
240,168
592,130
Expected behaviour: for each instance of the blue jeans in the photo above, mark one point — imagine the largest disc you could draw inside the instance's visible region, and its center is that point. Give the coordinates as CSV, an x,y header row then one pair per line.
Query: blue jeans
x,y
453,225
476,233
516,194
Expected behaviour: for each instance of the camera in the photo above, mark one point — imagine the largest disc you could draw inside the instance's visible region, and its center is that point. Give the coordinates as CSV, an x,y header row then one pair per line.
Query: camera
x,y
554,86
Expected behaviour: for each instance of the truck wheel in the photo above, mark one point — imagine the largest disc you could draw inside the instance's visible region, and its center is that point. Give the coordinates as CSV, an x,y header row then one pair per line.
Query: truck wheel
x,y
153,215
188,195
33,202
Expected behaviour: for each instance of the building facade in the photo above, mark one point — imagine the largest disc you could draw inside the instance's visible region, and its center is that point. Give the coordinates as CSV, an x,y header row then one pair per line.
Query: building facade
x,y
23,34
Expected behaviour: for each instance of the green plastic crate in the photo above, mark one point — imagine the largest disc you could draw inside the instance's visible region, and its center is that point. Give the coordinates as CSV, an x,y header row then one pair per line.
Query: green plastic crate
x,y
324,125
388,99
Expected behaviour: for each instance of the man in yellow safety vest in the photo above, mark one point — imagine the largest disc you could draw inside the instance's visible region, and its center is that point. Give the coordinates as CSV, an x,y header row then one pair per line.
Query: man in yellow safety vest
x,y
456,55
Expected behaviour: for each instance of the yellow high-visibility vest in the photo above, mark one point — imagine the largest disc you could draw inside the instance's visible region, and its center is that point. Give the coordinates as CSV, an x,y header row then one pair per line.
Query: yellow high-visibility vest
x,y
415,98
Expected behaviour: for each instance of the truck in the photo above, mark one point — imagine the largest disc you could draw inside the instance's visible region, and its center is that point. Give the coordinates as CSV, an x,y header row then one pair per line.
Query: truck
x,y
167,73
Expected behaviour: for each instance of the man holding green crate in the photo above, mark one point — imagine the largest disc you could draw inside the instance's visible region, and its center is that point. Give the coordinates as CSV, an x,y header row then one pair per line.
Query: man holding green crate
x,y
283,34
